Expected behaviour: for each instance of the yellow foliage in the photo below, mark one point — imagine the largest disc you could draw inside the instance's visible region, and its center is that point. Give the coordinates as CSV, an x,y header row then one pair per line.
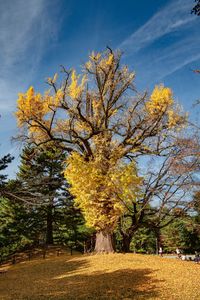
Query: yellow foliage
x,y
53,102
33,109
59,96
161,99
99,61
98,277
95,57
55,77
81,127
30,106
102,122
162,103
75,89
102,190
109,61
37,132
173,118
52,80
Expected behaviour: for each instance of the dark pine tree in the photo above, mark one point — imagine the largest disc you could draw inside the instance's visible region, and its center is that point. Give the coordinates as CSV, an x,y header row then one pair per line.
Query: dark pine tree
x,y
4,161
43,185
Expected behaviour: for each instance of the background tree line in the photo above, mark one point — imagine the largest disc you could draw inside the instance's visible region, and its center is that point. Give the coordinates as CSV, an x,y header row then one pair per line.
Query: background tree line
x,y
32,214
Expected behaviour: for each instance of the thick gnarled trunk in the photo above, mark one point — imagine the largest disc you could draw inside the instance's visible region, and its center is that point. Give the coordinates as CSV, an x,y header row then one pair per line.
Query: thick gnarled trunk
x,y
104,242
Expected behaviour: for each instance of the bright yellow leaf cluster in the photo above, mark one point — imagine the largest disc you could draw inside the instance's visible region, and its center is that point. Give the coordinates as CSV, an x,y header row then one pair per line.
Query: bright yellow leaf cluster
x,y
56,100
33,110
30,106
173,118
160,101
34,106
102,195
75,89
99,61
105,64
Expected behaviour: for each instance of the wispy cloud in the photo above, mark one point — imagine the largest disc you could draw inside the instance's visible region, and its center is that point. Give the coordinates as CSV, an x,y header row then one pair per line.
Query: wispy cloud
x,y
159,64
172,17
25,28
17,20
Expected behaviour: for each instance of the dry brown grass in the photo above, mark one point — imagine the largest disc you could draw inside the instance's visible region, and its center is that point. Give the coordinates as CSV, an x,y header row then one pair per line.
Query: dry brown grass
x,y
113,276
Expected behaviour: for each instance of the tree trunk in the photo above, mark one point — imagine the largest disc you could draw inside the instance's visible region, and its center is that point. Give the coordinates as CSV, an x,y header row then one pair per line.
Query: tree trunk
x,y
158,242
49,230
126,241
104,242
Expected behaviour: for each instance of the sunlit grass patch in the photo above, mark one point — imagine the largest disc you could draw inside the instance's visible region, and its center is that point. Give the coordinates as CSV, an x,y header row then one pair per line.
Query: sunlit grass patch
x,y
112,276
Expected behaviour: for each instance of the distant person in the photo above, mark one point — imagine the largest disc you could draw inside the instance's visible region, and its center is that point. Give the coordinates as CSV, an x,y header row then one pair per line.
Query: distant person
x,y
183,257
160,251
178,252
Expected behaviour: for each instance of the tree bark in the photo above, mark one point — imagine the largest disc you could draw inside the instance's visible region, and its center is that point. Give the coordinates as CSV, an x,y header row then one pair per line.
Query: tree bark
x,y
104,242
158,242
49,229
126,240
127,234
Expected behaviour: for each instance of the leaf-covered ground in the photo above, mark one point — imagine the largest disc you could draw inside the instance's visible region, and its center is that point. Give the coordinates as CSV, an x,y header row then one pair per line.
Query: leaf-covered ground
x,y
113,276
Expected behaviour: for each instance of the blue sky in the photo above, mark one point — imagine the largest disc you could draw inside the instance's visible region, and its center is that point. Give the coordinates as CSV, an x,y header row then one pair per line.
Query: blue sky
x,y
160,40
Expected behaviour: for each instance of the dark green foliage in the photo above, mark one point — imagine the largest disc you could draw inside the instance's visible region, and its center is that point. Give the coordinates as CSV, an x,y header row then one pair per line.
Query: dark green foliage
x,y
182,233
197,203
143,241
41,175
3,165
18,226
40,210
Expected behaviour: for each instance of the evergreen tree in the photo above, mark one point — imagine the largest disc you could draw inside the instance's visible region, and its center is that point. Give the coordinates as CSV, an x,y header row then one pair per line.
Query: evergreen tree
x,y
42,182
18,226
4,161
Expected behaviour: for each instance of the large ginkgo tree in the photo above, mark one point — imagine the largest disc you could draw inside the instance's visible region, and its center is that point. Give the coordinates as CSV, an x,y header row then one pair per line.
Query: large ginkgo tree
x,y
104,124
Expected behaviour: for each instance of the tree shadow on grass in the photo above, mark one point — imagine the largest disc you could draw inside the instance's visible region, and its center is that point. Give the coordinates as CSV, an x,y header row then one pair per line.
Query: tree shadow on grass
x,y
72,279
122,284
31,280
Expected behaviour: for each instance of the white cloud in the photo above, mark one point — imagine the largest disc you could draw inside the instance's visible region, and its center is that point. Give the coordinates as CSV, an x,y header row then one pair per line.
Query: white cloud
x,y
8,92
160,63
173,16
167,58
25,29
16,22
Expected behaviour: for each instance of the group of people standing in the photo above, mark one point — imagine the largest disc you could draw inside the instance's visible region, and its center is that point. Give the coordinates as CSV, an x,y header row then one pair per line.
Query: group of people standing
x,y
182,256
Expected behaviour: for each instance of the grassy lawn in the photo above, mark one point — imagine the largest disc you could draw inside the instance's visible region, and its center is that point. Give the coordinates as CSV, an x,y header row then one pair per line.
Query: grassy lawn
x,y
113,276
